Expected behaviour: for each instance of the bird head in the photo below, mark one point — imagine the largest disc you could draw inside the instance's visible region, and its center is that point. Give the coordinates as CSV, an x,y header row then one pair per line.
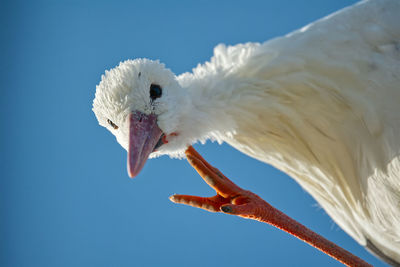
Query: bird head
x,y
142,104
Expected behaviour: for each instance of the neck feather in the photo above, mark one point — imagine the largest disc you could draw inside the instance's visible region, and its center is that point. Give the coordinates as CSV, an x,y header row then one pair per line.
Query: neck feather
x,y
211,114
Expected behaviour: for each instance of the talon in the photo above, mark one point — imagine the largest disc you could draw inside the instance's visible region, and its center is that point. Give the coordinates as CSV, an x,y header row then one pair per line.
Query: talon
x,y
233,200
226,209
227,192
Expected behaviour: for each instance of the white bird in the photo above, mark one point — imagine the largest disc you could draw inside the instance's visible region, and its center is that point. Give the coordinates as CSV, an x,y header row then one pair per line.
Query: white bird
x,y
321,104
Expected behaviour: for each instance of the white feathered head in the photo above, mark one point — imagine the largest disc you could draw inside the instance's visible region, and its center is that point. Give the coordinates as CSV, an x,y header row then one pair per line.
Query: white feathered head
x,y
142,104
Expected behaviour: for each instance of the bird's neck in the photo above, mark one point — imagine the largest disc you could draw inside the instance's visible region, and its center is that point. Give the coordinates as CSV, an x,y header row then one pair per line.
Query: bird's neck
x,y
209,115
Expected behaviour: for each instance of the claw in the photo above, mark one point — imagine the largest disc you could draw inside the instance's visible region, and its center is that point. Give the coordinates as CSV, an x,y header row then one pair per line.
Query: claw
x,y
227,192
232,199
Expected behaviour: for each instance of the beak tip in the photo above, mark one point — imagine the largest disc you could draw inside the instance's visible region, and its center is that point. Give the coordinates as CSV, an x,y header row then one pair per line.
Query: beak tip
x,y
132,172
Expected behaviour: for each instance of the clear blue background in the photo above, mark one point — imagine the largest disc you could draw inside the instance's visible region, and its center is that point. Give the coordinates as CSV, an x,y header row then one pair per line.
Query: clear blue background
x,y
66,199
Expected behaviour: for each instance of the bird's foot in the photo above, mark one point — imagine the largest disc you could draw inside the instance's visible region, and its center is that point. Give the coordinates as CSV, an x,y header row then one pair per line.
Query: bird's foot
x,y
230,198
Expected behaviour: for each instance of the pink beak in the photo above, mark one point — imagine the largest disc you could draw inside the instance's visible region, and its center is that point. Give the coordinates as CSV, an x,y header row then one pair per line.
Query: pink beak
x,y
144,135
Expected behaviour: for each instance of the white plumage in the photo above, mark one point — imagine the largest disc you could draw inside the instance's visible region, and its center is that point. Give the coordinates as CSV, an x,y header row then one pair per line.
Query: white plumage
x,y
322,104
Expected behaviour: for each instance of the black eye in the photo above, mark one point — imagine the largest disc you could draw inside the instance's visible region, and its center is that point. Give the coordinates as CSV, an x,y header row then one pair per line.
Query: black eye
x,y
112,124
155,91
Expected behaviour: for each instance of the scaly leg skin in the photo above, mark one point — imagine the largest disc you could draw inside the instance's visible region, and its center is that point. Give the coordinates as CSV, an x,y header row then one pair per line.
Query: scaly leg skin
x,y
233,200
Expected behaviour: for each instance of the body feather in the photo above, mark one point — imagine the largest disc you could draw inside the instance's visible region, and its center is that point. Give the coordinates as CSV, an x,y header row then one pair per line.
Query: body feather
x,y
321,104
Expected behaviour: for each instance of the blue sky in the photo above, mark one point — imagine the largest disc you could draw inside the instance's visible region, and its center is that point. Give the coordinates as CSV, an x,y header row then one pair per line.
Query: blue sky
x,y
66,199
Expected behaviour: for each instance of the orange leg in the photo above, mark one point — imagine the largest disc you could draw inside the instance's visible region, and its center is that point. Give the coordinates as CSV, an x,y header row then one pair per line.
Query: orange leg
x,y
234,200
